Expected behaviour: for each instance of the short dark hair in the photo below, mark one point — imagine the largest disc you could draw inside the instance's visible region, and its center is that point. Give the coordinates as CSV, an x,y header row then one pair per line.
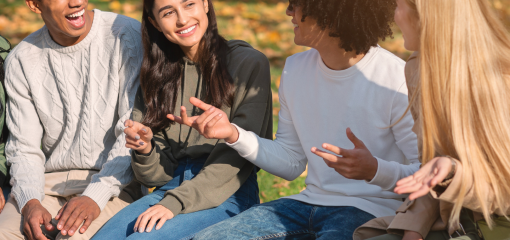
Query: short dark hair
x,y
358,23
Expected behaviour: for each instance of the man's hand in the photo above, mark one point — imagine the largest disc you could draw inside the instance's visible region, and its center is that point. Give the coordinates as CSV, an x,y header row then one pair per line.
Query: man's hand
x,y
212,124
155,214
34,214
429,175
2,200
74,212
410,235
357,163
138,136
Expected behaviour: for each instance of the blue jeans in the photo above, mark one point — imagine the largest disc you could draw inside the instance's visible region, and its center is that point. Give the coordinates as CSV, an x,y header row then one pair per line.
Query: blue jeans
x,y
289,219
183,226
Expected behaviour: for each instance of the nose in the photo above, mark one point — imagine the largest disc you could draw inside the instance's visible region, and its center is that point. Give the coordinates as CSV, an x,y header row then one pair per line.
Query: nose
x,y
77,3
290,12
182,18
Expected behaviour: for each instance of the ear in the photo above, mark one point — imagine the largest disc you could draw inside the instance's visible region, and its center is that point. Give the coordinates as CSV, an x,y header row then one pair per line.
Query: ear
x,y
154,23
33,5
206,6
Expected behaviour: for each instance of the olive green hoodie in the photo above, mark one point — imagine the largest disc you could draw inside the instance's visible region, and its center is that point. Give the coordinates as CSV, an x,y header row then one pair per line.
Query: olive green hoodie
x,y
224,170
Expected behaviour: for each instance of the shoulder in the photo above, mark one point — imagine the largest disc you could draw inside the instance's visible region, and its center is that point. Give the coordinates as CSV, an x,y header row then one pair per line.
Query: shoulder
x,y
385,69
301,59
120,26
244,54
29,47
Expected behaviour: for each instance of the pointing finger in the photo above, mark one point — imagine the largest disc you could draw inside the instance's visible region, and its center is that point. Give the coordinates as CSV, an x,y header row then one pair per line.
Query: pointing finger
x,y
326,156
199,104
337,150
357,143
175,118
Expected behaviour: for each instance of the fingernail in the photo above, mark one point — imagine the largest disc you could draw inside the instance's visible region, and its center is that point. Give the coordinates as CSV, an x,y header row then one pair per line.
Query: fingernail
x,y
71,232
137,137
82,230
144,130
59,226
142,143
211,109
140,230
64,232
324,145
135,229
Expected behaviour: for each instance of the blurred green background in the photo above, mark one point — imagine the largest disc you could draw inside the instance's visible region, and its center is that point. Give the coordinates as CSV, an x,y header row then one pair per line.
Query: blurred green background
x,y
263,24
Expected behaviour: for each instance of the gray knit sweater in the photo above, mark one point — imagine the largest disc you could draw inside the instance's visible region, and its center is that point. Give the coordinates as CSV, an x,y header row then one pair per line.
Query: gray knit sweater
x,y
67,106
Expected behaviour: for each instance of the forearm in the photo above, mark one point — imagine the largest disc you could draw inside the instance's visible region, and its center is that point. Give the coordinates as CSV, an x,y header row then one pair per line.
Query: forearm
x,y
274,157
154,169
388,173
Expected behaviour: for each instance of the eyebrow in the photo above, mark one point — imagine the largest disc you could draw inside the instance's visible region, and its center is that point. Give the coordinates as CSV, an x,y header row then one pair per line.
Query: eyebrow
x,y
169,6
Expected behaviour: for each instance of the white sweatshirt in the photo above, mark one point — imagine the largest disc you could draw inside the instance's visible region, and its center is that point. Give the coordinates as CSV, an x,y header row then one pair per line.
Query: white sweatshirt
x,y
317,106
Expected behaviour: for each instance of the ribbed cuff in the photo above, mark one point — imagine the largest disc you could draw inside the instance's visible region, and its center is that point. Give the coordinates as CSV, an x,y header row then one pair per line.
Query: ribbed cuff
x,y
246,145
99,192
386,175
174,205
145,158
26,195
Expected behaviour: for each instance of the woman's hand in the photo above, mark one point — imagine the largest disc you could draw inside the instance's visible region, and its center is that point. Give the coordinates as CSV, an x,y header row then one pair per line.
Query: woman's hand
x,y
429,175
138,137
2,200
148,219
212,124
410,235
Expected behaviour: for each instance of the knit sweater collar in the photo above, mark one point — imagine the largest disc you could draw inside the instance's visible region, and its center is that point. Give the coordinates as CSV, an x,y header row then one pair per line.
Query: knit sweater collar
x,y
82,44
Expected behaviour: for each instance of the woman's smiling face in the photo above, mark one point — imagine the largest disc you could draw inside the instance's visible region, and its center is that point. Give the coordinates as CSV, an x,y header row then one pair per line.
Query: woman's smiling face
x,y
183,22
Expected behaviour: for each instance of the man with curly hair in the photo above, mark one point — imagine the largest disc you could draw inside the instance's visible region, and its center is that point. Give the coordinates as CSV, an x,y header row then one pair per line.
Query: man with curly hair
x,y
345,84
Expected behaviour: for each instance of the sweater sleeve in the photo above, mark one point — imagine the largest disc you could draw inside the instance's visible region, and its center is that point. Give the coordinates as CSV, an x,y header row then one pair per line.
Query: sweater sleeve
x,y
225,171
283,157
23,148
116,172
3,160
389,172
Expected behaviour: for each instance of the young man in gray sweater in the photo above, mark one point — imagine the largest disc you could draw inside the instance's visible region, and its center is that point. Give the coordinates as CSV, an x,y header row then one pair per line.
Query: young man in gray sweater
x,y
71,86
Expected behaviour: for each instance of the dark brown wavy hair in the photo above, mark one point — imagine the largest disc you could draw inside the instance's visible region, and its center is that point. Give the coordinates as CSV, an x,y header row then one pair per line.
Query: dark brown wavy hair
x,y
162,69
358,23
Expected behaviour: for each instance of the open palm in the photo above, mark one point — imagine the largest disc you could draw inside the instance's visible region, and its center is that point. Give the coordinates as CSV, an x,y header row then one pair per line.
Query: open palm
x,y
212,124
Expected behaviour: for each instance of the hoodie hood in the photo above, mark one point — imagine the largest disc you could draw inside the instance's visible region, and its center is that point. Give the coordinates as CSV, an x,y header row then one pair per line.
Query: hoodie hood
x,y
235,44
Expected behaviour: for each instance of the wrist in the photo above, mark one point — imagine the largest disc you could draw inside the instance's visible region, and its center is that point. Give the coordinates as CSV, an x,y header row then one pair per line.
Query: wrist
x,y
234,136
147,149
372,171
30,204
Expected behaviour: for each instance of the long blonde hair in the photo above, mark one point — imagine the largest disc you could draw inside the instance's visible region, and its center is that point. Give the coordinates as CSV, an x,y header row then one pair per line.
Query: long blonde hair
x,y
464,63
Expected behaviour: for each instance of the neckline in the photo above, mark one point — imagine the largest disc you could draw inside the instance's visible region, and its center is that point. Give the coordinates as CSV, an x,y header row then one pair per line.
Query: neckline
x,y
349,72
85,42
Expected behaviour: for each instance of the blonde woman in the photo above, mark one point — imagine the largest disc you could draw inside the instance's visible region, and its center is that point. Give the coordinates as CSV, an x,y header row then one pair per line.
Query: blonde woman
x,y
463,111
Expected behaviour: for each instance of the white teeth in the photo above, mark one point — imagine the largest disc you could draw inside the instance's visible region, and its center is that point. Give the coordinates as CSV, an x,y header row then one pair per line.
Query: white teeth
x,y
295,25
188,30
78,14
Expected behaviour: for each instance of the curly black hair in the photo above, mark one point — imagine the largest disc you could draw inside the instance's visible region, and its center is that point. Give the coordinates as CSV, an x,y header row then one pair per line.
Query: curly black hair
x,y
358,23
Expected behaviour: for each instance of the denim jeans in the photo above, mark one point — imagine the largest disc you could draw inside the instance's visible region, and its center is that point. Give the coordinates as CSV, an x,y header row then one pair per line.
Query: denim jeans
x,y
288,219
183,226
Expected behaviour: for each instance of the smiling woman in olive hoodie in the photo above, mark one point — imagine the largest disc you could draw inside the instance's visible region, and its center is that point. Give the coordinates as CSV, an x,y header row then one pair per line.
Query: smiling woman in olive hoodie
x,y
198,181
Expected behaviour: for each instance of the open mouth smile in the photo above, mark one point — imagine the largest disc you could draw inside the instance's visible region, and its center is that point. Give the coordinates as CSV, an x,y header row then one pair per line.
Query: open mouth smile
x,y
187,31
76,19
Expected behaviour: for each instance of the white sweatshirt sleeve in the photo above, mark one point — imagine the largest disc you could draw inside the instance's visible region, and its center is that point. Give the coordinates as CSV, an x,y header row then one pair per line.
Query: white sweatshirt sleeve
x,y
283,157
389,172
